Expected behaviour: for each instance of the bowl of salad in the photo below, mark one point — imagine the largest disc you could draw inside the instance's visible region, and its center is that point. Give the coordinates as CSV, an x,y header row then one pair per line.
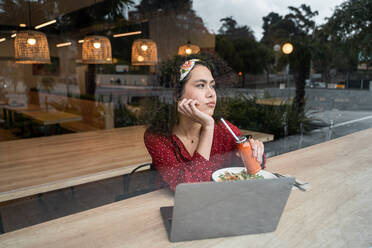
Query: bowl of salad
x,y
239,173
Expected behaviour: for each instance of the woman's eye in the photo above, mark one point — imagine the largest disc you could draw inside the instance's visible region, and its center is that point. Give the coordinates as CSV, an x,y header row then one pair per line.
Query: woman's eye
x,y
213,86
200,85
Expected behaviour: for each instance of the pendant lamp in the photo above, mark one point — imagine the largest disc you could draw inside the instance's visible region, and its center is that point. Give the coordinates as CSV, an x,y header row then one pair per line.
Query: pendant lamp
x,y
96,50
188,49
144,52
31,47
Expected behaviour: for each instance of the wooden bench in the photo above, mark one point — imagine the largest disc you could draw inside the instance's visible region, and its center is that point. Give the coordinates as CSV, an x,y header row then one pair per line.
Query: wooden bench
x,y
79,126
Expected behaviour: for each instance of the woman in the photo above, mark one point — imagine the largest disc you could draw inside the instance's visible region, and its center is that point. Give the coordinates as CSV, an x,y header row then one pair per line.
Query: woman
x,y
196,145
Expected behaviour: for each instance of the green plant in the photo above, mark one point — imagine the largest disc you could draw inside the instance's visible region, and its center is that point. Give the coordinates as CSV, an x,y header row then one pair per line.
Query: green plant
x,y
159,117
247,114
123,117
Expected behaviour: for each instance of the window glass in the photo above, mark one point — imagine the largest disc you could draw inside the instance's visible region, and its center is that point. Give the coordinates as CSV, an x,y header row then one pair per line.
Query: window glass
x,y
75,70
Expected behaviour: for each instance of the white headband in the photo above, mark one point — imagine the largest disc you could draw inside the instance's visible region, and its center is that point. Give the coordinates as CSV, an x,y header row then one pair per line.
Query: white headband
x,y
187,67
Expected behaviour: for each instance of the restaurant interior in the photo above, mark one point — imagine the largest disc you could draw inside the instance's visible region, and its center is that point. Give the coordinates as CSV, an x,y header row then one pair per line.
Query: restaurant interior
x,y
73,48
55,56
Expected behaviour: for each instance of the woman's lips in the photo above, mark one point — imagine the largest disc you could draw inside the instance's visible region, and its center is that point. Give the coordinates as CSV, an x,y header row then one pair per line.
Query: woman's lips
x,y
211,104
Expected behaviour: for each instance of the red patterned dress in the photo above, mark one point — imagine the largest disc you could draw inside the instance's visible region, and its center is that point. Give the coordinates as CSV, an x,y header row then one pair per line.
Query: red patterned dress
x,y
175,165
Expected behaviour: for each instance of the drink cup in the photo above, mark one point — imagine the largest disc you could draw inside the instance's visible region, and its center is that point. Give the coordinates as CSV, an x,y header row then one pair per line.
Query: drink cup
x,y
245,150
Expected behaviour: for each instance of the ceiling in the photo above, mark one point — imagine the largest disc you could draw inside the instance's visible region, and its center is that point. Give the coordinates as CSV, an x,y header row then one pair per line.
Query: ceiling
x,y
18,11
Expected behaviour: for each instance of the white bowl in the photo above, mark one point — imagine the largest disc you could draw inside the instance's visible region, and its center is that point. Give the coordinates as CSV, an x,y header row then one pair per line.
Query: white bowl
x,y
216,174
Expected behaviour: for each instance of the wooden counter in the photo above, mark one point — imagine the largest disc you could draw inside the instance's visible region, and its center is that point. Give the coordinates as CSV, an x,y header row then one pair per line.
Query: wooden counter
x,y
32,166
336,212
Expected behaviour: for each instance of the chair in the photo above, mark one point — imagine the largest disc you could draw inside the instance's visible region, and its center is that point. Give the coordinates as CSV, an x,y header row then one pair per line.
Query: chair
x,y
140,182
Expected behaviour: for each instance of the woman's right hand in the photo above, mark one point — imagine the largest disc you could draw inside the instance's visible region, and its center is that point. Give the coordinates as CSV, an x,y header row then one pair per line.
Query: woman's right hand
x,y
188,107
257,150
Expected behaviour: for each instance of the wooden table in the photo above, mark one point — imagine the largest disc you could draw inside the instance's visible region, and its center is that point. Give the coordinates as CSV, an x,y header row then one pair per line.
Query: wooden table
x,y
336,212
264,137
273,101
41,115
28,107
38,165
51,117
32,166
8,111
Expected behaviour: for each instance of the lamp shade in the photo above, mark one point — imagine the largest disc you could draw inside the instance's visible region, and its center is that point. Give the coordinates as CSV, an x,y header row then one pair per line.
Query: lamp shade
x,y
144,52
188,49
31,47
96,50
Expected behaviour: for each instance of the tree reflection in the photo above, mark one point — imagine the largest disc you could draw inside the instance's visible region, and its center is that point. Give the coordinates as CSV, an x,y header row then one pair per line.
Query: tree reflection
x,y
230,27
174,23
150,6
238,46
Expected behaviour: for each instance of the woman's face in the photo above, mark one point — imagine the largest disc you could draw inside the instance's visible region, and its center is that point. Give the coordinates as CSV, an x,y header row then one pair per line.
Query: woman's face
x,y
201,87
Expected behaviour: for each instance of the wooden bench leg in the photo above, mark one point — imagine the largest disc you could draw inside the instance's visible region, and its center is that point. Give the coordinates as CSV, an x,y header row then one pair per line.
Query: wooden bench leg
x,y
126,179
1,225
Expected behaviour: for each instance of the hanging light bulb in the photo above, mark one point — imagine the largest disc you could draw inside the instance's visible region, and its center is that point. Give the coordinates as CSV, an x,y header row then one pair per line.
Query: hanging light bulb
x,y
96,50
31,41
31,47
140,58
144,52
97,45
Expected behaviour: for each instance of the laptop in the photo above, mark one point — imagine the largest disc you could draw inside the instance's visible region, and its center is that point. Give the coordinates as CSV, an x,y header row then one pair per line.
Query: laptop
x,y
220,209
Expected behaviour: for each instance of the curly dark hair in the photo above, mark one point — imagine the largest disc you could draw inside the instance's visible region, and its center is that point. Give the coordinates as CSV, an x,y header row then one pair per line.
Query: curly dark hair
x,y
162,117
